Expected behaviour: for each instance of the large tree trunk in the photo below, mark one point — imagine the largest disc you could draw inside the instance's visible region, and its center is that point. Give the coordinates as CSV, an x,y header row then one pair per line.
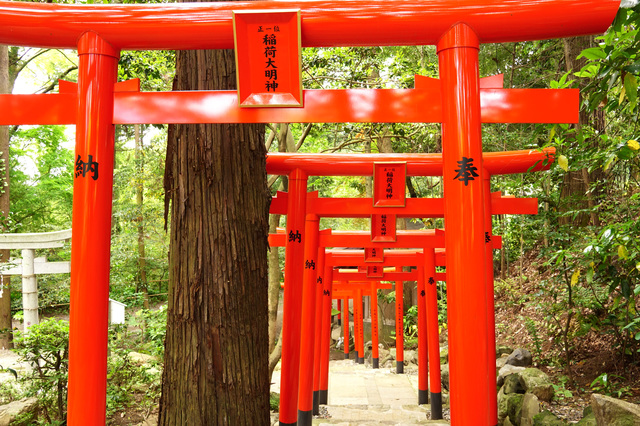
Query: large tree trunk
x,y
5,282
216,349
576,193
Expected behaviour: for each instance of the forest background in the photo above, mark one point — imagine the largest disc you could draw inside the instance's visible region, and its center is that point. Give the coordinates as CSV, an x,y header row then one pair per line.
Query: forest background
x,y
567,279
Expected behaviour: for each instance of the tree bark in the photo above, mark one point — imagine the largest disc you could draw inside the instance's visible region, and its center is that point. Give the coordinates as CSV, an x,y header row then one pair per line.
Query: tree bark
x,y
5,281
576,193
216,348
274,285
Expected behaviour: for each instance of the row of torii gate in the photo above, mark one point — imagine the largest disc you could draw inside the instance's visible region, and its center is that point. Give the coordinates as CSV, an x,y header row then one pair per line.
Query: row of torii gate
x,y
306,320
460,100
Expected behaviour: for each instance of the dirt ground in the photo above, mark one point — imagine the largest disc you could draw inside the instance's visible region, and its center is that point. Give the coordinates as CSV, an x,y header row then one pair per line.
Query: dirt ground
x,y
521,323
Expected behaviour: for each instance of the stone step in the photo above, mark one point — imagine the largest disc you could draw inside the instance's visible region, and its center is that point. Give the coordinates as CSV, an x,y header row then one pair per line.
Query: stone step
x,y
363,415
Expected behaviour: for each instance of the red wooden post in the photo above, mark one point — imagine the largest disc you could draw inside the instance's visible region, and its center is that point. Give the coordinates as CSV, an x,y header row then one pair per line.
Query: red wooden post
x,y
307,320
491,315
464,220
431,288
90,244
323,394
357,305
375,339
423,371
345,327
360,351
399,328
292,303
318,327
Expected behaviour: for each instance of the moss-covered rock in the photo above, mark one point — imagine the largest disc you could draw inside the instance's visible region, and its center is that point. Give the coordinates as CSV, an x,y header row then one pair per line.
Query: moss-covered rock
x,y
547,418
514,408
537,382
588,420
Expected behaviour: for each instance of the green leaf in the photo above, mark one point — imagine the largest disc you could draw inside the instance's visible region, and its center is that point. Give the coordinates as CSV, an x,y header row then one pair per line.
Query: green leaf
x,y
623,253
563,163
609,162
625,153
590,275
593,53
631,87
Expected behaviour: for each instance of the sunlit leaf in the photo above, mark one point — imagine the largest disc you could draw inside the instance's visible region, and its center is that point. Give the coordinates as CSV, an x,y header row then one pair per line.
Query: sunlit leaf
x,y
622,252
633,144
575,277
609,162
593,53
563,163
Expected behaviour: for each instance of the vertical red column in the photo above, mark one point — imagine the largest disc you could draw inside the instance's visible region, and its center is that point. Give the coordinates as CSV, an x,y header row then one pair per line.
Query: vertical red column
x,y
435,380
360,351
345,326
356,326
318,328
491,315
323,394
423,370
340,310
307,332
399,328
464,221
292,299
90,244
375,338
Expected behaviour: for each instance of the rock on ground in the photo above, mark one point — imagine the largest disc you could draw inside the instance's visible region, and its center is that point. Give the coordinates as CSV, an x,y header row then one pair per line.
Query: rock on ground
x,y
10,411
520,358
614,412
538,383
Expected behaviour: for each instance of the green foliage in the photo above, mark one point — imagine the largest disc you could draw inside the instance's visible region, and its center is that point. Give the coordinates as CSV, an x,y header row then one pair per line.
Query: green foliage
x,y
41,180
46,349
152,324
129,217
560,391
410,324
130,385
610,384
274,401
535,336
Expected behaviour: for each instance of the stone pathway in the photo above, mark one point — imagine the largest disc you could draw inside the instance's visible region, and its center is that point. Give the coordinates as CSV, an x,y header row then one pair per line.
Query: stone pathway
x,y
362,396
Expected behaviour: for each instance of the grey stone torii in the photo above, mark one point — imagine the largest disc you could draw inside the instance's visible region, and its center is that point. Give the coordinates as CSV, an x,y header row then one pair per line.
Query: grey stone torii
x,y
31,266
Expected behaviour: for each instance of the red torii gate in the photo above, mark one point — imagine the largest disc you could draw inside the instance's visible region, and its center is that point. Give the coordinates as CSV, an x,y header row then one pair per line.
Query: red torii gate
x,y
424,259
297,165
325,264
101,32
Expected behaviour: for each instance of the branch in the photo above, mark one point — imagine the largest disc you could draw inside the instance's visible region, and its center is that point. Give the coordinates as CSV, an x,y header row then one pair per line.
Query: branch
x,y
272,180
26,62
344,144
271,137
54,82
304,135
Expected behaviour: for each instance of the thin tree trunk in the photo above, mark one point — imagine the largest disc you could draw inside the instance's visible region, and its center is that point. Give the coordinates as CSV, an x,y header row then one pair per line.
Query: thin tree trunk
x,y
274,284
216,349
5,281
142,260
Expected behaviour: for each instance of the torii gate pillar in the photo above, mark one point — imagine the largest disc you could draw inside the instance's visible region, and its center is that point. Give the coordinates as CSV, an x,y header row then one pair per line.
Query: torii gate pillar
x,y
464,220
91,240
